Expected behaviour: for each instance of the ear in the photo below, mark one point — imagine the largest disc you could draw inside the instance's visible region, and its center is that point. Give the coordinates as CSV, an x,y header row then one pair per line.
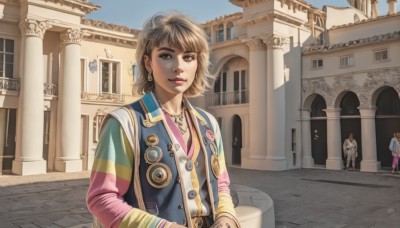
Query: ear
x,y
147,63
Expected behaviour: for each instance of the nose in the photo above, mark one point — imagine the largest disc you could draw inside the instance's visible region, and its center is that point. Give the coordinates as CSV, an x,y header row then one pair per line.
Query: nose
x,y
177,68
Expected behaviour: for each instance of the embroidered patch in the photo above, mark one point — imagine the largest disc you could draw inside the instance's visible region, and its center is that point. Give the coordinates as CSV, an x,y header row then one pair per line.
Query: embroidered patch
x,y
215,165
214,149
210,135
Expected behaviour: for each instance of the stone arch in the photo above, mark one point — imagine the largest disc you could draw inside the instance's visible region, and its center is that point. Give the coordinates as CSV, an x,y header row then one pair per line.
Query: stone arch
x,y
340,95
222,61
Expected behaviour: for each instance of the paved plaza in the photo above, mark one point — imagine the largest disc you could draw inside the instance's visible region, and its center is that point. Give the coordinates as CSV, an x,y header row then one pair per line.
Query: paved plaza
x,y
303,198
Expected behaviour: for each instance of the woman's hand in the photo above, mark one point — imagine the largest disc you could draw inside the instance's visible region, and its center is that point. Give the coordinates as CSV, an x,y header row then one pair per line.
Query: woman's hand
x,y
224,222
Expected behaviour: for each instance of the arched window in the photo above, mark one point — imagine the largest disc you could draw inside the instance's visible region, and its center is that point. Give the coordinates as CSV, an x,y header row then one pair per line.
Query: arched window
x,y
229,31
388,103
349,105
220,33
317,107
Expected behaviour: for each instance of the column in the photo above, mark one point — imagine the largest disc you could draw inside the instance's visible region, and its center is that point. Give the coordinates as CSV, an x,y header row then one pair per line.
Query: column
x,y
276,103
68,156
392,6
29,151
258,106
369,162
307,160
334,141
374,8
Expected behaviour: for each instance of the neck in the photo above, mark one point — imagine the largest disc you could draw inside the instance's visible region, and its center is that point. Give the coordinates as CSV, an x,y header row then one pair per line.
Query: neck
x,y
172,104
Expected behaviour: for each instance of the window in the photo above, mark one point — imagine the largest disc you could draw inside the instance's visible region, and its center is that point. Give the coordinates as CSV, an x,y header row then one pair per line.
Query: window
x,y
109,77
98,120
381,55
220,33
208,33
229,31
6,58
317,63
346,61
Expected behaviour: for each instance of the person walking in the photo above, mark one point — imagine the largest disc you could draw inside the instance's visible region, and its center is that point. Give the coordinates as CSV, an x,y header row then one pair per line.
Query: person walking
x,y
394,147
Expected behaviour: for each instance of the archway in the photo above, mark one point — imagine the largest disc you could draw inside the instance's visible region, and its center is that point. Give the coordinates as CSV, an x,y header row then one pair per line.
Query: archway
x,y
350,122
318,131
236,140
387,122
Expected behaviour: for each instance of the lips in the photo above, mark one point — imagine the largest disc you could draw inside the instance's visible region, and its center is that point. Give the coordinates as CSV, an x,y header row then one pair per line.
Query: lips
x,y
177,80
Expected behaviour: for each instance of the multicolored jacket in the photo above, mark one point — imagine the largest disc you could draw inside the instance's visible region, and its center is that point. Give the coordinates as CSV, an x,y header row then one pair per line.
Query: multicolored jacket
x,y
143,176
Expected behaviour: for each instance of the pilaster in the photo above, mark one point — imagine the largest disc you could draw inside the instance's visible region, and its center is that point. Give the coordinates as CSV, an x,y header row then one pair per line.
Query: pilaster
x,y
307,160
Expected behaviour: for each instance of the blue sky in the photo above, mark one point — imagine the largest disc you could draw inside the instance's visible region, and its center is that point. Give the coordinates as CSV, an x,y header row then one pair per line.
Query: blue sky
x,y
134,13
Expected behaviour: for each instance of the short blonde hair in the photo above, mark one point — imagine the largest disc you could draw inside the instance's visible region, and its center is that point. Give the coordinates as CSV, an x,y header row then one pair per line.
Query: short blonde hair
x,y
182,33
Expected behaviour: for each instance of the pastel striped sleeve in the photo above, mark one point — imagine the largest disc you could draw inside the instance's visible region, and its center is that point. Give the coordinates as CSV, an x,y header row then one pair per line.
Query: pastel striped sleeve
x,y
225,204
110,179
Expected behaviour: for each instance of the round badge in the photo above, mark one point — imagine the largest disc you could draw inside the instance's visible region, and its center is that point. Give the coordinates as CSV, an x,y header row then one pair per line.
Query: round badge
x,y
153,154
152,140
215,165
159,175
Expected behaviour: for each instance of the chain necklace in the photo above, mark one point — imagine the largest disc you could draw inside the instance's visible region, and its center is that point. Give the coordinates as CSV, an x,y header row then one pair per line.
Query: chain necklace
x,y
179,119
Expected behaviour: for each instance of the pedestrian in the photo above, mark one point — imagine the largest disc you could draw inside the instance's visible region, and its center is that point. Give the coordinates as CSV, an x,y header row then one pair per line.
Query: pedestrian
x,y
350,151
394,147
160,161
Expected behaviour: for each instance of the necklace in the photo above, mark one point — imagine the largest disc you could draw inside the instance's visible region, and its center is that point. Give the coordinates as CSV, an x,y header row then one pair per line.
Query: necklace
x,y
179,120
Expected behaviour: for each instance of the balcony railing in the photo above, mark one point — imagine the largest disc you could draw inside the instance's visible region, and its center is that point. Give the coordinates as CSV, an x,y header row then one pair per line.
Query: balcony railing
x,y
9,84
227,98
111,97
50,89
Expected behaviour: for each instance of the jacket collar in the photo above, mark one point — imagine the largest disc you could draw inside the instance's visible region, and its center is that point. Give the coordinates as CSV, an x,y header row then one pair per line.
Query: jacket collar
x,y
154,112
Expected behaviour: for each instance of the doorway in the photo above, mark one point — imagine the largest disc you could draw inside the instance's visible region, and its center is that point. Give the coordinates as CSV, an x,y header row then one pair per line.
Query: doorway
x,y
319,150
236,140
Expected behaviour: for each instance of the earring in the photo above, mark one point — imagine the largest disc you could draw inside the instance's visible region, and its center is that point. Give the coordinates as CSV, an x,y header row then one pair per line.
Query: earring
x,y
149,77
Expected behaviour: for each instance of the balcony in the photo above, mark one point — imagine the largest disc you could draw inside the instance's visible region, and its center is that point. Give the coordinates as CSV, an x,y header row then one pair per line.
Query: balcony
x,y
50,90
9,84
227,98
107,97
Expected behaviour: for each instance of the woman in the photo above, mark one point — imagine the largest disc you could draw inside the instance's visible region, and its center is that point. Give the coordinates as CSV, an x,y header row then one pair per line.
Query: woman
x,y
350,151
160,161
394,147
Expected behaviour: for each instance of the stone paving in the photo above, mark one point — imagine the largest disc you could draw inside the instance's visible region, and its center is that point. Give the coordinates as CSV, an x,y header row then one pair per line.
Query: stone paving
x,y
302,198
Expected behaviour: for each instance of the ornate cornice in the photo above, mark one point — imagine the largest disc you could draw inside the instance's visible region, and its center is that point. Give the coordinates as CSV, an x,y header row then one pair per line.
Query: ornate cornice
x,y
330,89
352,43
275,41
256,44
112,27
266,17
31,27
72,36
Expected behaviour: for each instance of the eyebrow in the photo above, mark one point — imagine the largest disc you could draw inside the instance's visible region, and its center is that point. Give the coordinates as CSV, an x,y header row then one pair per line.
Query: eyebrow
x,y
171,50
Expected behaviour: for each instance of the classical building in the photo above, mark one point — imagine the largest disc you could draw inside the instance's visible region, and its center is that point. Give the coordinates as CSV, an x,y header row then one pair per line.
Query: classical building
x,y
59,75
293,81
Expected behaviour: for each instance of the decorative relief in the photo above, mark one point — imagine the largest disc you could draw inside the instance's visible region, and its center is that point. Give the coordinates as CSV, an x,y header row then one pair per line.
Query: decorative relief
x,y
275,41
256,44
365,90
72,36
118,28
31,27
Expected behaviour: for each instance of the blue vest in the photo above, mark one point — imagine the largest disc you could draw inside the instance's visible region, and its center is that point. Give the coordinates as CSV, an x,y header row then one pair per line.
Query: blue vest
x,y
166,199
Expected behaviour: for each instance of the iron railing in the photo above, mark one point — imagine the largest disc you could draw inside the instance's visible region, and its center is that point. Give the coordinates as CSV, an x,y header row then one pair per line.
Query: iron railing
x,y
112,97
50,89
9,84
227,98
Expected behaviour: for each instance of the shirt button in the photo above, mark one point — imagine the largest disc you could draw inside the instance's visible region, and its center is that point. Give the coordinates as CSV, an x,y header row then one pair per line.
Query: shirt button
x,y
192,194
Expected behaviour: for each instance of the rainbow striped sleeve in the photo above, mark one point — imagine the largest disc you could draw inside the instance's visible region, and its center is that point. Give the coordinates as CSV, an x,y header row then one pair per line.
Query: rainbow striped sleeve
x,y
110,179
225,204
